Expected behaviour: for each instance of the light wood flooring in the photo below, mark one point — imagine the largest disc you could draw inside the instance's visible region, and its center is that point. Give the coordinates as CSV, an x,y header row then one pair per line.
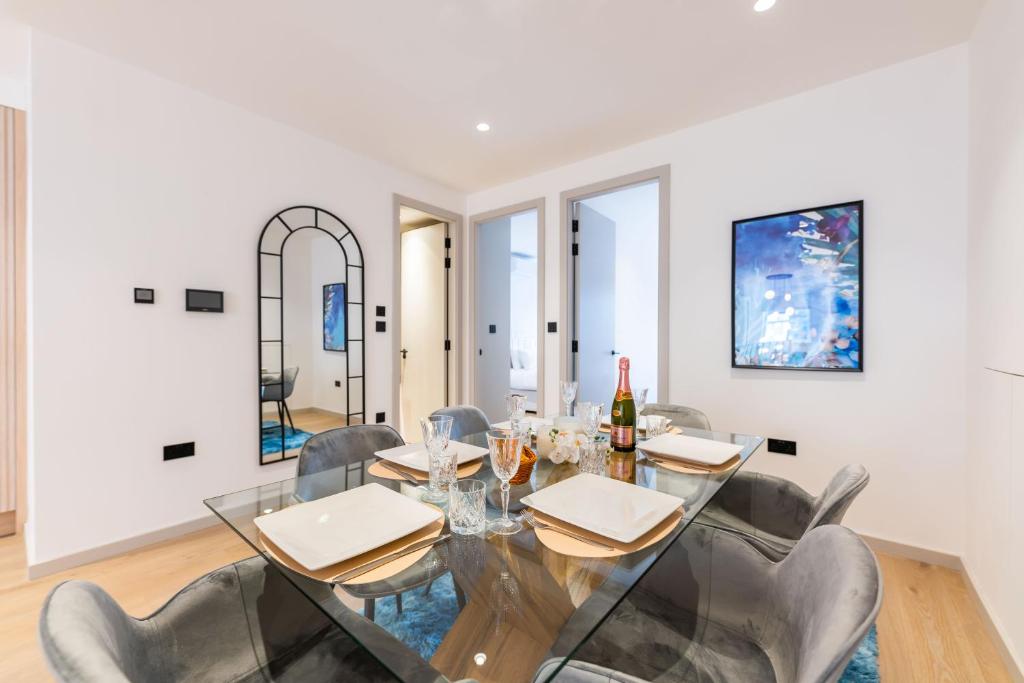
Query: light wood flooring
x,y
929,628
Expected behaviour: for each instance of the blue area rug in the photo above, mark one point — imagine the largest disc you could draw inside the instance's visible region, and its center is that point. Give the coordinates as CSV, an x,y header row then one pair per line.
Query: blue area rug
x,y
863,668
424,622
271,432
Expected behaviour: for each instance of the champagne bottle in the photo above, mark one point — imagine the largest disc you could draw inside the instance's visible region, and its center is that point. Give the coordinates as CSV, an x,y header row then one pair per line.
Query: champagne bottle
x,y
623,427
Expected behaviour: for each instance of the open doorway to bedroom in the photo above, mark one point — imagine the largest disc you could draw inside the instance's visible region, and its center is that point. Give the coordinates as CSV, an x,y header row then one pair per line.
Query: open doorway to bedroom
x,y
507,308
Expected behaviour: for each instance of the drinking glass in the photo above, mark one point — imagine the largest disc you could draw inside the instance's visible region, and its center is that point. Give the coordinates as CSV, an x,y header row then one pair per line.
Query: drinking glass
x,y
640,400
467,504
592,458
568,390
591,414
437,431
516,406
504,447
656,425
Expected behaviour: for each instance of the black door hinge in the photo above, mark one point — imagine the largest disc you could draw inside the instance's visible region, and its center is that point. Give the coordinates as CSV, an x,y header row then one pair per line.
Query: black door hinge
x,y
447,262
575,225
447,242
447,344
575,346
575,249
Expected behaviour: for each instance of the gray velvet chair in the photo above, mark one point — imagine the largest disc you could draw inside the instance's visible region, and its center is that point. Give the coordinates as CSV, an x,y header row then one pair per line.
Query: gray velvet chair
x,y
772,514
243,623
716,610
681,416
329,454
278,388
468,420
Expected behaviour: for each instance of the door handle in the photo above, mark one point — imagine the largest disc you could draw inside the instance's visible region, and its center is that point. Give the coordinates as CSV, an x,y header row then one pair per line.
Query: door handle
x,y
404,353
614,352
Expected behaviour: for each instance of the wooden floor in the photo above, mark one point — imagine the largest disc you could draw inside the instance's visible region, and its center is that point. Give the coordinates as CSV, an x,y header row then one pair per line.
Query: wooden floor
x,y
929,629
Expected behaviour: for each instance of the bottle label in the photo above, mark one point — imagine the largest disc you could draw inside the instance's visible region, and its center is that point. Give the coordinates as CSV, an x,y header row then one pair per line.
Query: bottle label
x,y
622,435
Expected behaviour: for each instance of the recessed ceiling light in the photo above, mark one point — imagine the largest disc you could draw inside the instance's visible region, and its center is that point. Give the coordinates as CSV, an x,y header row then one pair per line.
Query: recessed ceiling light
x,y
483,127
763,5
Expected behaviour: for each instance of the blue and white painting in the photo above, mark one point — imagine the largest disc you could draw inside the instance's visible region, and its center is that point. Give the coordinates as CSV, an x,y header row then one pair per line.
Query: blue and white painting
x,y
797,290
334,317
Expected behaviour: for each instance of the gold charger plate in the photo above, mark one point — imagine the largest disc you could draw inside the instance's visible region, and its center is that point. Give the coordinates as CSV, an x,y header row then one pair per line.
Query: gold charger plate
x,y
432,530
566,545
466,469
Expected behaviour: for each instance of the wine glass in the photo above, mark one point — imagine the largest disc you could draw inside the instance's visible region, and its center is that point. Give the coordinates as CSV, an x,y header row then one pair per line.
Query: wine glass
x,y
437,430
515,404
640,400
591,414
504,446
568,390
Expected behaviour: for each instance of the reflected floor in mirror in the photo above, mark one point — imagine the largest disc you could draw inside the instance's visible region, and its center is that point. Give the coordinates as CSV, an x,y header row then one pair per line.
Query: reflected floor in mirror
x,y
308,421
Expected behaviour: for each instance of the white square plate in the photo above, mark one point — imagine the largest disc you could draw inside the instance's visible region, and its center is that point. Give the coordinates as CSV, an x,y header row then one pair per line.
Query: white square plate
x,y
641,422
691,448
620,511
323,532
414,455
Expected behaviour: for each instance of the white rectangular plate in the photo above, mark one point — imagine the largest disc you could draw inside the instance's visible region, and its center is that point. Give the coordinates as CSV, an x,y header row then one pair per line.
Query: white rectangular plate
x,y
617,510
691,448
641,422
537,423
323,532
414,455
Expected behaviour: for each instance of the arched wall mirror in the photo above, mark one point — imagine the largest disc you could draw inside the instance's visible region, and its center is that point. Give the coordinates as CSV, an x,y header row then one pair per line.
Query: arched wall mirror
x,y
311,329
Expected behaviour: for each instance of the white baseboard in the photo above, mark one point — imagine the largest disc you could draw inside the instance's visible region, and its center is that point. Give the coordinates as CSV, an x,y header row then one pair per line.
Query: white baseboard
x,y
1013,665
125,545
911,552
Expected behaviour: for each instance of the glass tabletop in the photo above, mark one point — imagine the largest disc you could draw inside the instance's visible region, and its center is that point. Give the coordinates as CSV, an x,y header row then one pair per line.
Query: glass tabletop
x,y
484,607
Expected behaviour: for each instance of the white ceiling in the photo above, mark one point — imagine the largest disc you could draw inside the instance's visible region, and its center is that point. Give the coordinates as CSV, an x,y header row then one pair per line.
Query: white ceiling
x,y
406,81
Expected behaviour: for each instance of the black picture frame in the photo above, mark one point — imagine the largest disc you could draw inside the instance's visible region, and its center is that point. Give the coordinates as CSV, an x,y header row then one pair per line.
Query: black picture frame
x,y
859,204
344,311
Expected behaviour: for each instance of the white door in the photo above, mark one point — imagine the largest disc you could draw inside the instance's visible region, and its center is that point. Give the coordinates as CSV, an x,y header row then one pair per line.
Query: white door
x,y
423,318
596,360
616,292
493,312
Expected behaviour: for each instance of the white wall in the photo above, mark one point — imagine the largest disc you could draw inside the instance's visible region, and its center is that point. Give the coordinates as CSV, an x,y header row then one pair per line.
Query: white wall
x,y
140,182
15,56
994,503
895,138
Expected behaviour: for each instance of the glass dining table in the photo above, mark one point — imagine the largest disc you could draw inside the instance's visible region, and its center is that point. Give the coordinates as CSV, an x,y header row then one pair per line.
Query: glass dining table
x,y
483,607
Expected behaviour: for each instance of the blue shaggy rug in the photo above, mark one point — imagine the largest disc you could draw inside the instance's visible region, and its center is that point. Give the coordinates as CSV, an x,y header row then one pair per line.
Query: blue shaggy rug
x,y
424,622
271,433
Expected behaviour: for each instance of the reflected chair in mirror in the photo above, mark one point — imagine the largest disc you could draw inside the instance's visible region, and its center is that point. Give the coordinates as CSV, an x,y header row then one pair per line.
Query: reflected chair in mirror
x,y
681,416
467,420
278,390
714,609
241,623
772,514
331,462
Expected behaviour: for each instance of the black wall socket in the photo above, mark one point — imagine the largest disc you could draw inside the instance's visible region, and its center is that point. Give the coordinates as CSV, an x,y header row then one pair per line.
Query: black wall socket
x,y
382,326
552,327
782,446
180,450
337,382
380,418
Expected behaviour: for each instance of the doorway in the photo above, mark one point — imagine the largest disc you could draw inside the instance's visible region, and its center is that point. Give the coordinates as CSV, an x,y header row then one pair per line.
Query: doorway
x,y
618,285
508,308
427,365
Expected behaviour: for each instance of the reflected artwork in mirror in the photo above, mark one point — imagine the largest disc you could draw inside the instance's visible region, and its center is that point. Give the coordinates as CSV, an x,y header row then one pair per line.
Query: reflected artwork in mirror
x,y
311,349
797,290
334,317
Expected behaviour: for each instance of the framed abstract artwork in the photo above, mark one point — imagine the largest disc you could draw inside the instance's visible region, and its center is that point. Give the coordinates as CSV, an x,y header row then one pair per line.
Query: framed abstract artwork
x,y
335,328
797,290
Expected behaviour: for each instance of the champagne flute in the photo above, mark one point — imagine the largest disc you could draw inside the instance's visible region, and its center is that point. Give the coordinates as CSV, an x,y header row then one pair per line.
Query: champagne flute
x,y
437,431
568,389
504,446
591,414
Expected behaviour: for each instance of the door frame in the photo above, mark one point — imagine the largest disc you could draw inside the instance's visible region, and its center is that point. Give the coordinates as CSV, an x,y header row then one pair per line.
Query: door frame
x,y
455,330
566,200
474,223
